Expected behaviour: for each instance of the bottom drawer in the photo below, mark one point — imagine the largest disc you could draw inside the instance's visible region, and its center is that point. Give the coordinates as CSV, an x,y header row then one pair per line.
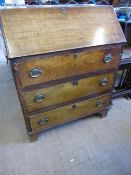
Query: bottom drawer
x,y
67,113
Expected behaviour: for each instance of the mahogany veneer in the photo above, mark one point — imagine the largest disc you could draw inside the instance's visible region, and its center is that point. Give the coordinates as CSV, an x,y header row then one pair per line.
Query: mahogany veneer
x,y
64,61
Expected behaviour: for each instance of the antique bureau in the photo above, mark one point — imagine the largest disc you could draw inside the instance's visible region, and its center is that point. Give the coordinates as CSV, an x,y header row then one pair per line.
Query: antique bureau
x,y
64,60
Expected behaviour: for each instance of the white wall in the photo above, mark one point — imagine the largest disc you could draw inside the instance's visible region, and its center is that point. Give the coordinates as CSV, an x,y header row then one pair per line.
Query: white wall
x,y
15,2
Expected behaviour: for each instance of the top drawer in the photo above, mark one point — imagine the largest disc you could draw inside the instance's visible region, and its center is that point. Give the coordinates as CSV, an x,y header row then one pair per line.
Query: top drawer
x,y
40,70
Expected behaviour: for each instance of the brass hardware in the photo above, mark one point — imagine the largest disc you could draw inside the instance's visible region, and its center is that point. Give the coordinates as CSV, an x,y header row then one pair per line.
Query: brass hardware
x,y
75,82
39,98
108,58
64,11
100,103
104,82
35,72
74,56
43,121
74,106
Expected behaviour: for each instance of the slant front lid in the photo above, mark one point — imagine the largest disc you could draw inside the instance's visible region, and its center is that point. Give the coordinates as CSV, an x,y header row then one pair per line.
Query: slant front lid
x,y
37,30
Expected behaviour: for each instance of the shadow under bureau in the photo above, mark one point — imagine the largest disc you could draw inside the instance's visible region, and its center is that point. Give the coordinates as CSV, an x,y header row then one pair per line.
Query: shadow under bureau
x,y
64,61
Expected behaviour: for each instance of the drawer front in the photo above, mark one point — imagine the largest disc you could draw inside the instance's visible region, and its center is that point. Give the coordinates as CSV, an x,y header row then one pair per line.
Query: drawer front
x,y
67,113
41,98
40,70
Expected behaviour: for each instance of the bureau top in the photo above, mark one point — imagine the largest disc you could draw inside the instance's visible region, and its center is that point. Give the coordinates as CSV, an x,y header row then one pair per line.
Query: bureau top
x,y
42,29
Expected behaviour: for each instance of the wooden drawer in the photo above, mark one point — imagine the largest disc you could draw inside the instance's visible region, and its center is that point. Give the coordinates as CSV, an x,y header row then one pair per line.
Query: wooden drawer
x,y
41,98
42,70
67,113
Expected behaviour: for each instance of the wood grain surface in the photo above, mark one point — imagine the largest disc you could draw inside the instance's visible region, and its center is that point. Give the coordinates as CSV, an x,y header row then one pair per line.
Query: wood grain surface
x,y
69,112
30,31
62,66
67,91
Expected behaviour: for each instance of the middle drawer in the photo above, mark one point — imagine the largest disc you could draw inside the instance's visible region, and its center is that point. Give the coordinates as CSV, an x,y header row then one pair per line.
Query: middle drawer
x,y
63,92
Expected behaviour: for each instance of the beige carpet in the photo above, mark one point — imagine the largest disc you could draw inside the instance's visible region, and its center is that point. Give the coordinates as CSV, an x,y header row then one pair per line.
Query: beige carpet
x,y
90,146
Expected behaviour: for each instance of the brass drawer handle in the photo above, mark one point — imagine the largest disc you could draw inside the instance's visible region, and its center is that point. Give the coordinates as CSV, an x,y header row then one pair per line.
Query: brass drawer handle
x,y
104,82
35,72
100,103
43,121
39,98
108,58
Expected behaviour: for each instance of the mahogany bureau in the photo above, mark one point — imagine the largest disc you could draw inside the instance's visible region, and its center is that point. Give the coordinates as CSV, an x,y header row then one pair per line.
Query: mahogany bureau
x,y
64,60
